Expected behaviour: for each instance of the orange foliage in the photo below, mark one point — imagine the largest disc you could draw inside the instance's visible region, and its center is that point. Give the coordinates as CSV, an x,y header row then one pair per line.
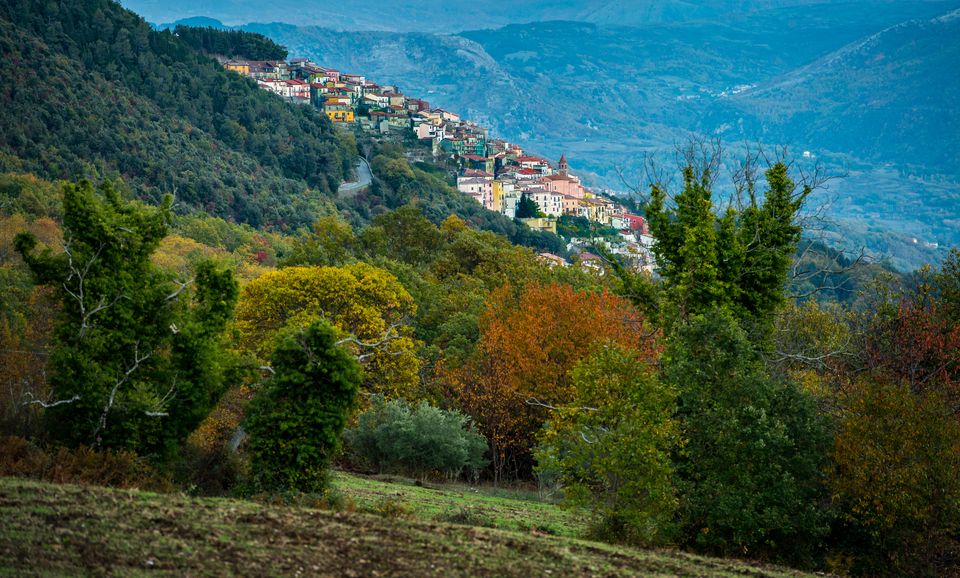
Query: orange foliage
x,y
920,346
83,465
219,427
529,342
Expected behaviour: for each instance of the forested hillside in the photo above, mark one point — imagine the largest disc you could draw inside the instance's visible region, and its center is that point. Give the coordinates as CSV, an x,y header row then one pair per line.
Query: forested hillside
x,y
759,396
89,89
866,87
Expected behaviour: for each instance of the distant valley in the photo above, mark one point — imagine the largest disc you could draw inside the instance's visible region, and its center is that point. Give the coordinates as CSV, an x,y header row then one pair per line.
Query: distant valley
x,y
869,89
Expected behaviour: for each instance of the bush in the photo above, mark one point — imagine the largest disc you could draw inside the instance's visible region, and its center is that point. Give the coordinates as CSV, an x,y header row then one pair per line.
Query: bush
x,y
208,471
295,422
83,465
392,437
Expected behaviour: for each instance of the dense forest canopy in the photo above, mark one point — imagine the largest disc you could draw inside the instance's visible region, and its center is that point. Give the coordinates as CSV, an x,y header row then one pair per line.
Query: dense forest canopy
x,y
230,43
107,96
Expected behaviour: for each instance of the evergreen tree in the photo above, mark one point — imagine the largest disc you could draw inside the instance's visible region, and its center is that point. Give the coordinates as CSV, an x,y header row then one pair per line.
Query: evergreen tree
x,y
752,470
738,259
296,421
136,357
527,208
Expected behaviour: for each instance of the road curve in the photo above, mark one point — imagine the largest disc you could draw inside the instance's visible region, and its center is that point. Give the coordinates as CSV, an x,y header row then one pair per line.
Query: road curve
x,y
349,189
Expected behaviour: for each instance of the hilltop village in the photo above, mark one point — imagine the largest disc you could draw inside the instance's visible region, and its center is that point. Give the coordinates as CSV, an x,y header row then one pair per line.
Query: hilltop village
x,y
499,175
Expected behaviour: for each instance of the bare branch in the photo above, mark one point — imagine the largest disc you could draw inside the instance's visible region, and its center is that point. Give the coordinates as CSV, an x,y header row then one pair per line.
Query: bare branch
x,y
175,294
536,402
79,293
48,404
137,360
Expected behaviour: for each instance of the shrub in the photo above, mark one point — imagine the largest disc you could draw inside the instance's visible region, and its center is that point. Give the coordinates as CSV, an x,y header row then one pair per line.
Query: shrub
x,y
295,422
83,465
208,471
469,516
392,437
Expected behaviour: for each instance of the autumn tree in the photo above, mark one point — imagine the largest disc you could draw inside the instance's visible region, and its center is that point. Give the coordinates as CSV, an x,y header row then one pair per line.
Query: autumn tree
x,y
895,478
363,302
895,460
136,360
530,340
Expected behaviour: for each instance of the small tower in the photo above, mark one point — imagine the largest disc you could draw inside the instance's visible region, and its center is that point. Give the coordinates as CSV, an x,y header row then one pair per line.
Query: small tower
x,y
564,167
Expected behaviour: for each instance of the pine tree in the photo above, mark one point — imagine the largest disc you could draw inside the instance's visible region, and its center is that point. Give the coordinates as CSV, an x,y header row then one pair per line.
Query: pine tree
x,y
527,208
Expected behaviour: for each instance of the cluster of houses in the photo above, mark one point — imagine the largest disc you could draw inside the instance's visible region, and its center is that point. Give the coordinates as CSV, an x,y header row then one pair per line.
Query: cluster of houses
x,y
496,173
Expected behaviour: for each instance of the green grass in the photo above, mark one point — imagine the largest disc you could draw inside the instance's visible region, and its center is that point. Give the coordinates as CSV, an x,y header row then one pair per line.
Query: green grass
x,y
507,509
64,530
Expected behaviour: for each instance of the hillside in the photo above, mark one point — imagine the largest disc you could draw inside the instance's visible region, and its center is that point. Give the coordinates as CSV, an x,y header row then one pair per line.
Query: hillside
x,y
57,529
610,95
89,89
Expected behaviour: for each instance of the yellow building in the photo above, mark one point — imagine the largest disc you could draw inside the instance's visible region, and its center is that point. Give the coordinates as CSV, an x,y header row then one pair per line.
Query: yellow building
x,y
339,115
497,197
238,66
542,224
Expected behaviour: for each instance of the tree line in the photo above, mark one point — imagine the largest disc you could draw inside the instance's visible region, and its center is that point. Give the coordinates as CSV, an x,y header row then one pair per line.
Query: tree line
x,y
703,408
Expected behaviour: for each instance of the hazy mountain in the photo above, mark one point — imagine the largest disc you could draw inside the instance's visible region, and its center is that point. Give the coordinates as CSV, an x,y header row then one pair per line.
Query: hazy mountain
x,y
444,16
870,88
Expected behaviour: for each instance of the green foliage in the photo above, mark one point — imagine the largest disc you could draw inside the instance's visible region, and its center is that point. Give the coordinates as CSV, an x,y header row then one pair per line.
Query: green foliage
x,y
27,195
295,421
404,234
947,284
752,468
331,242
569,226
230,43
397,184
527,208
136,359
737,259
614,448
145,105
395,438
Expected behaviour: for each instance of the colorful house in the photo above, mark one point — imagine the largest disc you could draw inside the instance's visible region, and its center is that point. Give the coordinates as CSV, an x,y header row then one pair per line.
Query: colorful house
x,y
338,113
238,66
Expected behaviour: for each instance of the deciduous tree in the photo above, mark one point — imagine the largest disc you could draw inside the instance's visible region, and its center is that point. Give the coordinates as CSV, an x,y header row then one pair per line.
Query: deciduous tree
x,y
530,339
613,446
363,302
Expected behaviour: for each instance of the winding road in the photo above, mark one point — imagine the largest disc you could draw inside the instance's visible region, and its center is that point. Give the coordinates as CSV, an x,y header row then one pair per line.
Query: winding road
x,y
349,189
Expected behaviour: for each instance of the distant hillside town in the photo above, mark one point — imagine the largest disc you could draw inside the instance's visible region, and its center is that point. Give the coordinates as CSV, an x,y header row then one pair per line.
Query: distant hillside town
x,y
498,174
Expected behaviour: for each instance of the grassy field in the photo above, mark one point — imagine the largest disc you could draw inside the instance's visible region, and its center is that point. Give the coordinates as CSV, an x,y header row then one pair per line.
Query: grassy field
x,y
56,530
507,509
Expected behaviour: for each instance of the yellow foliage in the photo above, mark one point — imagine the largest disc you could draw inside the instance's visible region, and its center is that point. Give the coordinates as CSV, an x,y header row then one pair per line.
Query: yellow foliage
x,y
177,253
360,300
